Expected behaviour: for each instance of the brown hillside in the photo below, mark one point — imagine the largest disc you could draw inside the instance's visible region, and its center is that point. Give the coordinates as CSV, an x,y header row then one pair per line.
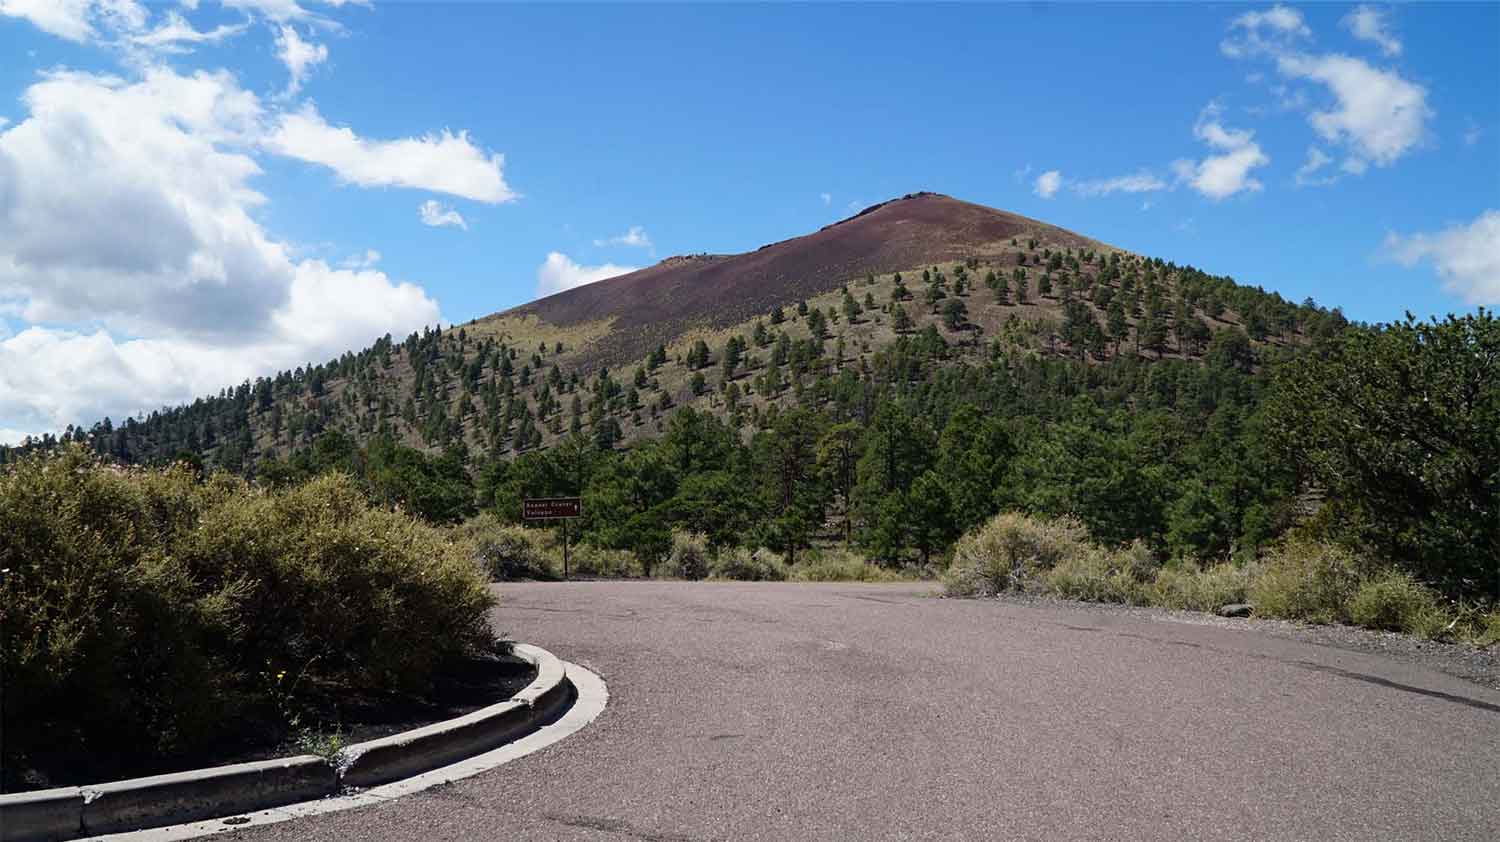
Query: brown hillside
x,y
716,291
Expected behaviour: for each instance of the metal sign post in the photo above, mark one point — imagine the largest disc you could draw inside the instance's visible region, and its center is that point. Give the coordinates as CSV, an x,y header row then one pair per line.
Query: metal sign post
x,y
554,508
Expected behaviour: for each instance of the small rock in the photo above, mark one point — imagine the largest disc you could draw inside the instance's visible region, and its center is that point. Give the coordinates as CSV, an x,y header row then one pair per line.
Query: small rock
x,y
1236,609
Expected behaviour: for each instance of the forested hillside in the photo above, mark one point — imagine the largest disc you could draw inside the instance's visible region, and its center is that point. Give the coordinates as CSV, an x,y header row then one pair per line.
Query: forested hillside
x,y
894,411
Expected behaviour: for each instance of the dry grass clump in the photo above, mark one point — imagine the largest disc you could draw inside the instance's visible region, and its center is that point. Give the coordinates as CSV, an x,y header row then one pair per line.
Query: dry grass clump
x,y
688,558
508,552
1190,587
1309,581
741,564
1010,551
840,565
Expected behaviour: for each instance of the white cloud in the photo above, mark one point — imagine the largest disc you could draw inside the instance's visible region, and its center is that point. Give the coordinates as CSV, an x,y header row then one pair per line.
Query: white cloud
x,y
1376,114
50,378
1223,175
1307,176
1141,182
827,198
438,215
174,33
1272,30
1466,257
559,272
361,261
298,55
1047,184
279,11
445,163
1370,23
635,238
78,20
127,238
118,204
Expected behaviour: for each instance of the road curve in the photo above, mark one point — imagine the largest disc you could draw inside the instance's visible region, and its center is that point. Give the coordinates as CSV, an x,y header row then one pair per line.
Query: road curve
x,y
843,712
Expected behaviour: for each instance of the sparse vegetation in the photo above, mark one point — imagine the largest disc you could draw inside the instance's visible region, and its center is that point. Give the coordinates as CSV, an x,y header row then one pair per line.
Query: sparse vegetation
x,y
1297,580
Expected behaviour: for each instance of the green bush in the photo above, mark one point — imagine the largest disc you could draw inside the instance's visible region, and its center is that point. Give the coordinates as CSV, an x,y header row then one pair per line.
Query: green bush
x,y
840,565
1189,587
1010,552
739,563
1304,580
144,609
589,560
1098,576
1394,601
689,556
507,552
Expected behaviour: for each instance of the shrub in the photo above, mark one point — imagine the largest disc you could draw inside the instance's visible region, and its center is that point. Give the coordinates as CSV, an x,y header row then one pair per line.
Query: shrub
x,y
1394,601
739,563
157,607
506,552
1010,551
1487,632
689,556
589,560
1098,576
1189,587
1306,580
840,565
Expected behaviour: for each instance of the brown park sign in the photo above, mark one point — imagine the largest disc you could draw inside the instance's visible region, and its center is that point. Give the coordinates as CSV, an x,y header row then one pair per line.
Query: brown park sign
x,y
552,508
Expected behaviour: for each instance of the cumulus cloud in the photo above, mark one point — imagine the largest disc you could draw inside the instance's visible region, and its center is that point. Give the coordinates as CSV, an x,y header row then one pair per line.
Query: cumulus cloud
x,y
1371,23
52,377
827,198
1047,184
118,204
635,238
298,55
127,239
1229,172
1465,256
1141,182
559,272
1271,30
78,20
443,163
1375,114
438,215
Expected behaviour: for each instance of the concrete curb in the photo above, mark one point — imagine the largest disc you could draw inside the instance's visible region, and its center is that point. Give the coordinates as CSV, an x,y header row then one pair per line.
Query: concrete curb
x,y
402,755
138,803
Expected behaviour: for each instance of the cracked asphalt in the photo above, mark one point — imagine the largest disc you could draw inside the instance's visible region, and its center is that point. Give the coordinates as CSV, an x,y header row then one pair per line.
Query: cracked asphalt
x,y
848,711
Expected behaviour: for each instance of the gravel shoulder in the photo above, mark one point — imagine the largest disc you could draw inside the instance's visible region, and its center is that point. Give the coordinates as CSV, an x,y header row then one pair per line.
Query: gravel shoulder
x,y
1460,660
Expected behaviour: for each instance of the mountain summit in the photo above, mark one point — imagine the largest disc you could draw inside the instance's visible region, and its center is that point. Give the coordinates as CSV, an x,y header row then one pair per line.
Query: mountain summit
x,y
718,291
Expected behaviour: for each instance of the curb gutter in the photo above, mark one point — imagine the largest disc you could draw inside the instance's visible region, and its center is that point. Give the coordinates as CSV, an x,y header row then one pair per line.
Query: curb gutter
x,y
51,815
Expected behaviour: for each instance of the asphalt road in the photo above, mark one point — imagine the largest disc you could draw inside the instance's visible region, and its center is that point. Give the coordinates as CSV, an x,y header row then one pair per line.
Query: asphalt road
x,y
846,712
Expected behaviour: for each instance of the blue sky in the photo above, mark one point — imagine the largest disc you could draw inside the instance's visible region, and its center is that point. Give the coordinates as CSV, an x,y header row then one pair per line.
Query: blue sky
x,y
194,193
